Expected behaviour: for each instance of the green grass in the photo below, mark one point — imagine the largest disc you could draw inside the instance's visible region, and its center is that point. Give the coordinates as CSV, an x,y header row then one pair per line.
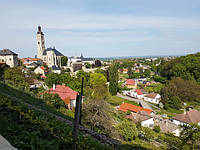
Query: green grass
x,y
11,91
116,101
170,112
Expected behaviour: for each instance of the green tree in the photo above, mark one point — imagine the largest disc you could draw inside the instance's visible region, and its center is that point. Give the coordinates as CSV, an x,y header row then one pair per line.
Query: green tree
x,y
97,79
87,65
96,114
190,135
157,129
130,73
113,79
128,130
64,61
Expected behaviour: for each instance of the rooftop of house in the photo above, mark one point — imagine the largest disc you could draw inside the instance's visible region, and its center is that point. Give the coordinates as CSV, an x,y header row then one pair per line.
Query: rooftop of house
x,y
130,82
57,53
6,52
139,117
56,68
64,92
192,116
166,126
151,95
138,91
30,59
125,107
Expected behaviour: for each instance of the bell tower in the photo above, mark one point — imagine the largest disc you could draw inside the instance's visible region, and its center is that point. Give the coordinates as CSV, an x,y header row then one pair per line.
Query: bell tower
x,y
40,43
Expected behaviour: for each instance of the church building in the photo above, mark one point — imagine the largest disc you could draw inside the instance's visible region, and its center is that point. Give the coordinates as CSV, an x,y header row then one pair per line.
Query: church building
x,y
50,56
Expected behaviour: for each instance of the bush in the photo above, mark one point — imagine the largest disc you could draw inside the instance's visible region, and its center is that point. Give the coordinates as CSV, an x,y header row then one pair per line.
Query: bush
x,y
157,129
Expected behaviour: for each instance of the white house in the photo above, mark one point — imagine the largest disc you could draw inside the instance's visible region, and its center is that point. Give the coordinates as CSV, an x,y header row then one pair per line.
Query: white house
x,y
136,93
8,57
141,117
41,70
192,116
153,98
167,126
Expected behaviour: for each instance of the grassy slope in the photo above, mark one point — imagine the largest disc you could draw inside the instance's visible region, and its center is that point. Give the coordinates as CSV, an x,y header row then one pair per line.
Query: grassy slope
x,y
89,143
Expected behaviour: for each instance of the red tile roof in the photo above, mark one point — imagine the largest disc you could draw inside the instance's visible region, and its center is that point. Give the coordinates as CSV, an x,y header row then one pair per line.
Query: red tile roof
x,y
125,107
139,92
130,82
64,92
43,68
192,116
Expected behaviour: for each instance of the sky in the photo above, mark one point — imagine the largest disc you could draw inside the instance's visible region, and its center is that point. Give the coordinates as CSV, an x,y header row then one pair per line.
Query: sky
x,y
102,28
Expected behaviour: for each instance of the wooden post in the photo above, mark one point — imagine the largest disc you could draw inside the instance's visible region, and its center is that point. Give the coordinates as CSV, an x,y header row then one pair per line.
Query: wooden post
x,y
77,119
81,100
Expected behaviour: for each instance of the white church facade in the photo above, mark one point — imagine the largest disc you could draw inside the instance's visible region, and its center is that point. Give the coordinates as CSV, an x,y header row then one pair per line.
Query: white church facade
x,y
50,56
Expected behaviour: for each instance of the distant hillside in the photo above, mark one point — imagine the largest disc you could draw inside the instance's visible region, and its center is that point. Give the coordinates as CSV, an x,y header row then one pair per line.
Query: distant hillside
x,y
187,67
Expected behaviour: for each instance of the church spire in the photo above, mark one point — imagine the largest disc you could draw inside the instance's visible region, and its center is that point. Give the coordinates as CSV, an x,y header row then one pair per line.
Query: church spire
x,y
40,42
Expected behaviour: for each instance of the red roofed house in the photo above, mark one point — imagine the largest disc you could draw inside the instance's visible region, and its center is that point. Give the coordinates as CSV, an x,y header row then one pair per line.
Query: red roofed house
x,y
137,93
138,114
192,116
130,83
41,70
66,94
125,107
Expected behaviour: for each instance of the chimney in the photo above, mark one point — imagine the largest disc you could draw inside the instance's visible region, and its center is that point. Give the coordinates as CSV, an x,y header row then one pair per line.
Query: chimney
x,y
184,112
54,87
166,122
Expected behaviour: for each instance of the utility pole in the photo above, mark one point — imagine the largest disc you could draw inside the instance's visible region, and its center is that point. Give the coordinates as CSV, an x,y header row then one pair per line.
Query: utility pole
x,y
77,118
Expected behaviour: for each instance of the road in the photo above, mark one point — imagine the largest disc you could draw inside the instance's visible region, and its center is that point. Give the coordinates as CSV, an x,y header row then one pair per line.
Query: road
x,y
139,101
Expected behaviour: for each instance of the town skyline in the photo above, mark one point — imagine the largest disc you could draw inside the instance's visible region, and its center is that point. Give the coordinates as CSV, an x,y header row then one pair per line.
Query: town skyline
x,y
102,29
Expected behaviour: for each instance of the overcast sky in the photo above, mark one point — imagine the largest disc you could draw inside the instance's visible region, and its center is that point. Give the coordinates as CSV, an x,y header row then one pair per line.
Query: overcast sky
x,y
102,28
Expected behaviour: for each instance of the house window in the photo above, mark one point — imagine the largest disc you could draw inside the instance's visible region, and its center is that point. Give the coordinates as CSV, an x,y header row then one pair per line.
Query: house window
x,y
2,60
44,58
38,42
10,59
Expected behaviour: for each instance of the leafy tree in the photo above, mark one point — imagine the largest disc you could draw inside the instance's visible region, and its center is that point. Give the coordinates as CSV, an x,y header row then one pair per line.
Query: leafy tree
x,y
128,130
97,79
64,61
186,90
96,115
190,135
130,73
17,77
97,63
157,129
87,65
159,79
53,100
185,67
113,79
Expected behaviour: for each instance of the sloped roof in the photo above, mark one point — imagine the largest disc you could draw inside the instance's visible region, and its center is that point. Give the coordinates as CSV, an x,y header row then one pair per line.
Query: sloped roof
x,y
138,91
5,52
130,82
151,95
56,68
125,107
138,117
57,53
64,92
166,126
192,116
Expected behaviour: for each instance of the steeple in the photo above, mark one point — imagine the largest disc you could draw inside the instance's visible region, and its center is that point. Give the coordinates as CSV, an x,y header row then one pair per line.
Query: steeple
x,y
40,43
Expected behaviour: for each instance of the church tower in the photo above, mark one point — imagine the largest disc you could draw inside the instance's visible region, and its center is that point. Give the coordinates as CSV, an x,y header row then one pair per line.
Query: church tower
x,y
40,43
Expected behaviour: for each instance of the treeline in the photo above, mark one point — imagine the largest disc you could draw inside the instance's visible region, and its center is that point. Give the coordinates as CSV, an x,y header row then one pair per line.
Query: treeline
x,y
182,77
185,67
